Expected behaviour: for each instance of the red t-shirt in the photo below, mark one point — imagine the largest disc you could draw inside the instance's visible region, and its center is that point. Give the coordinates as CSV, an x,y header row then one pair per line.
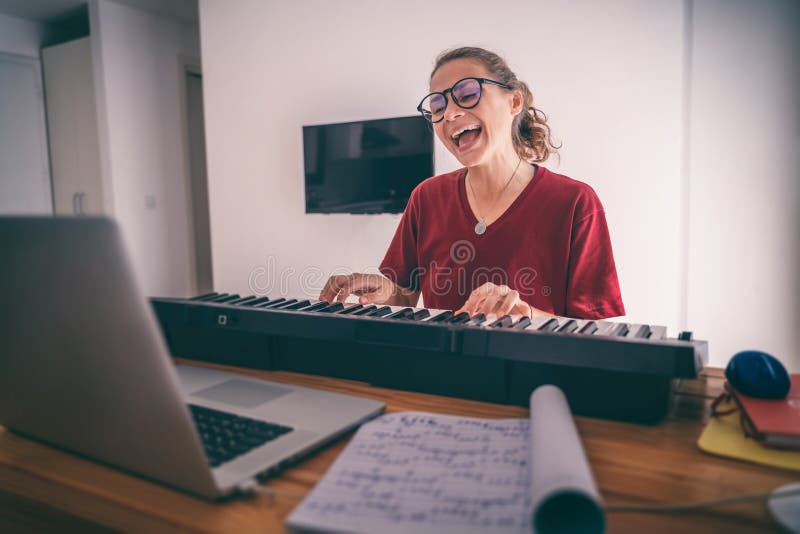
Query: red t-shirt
x,y
552,245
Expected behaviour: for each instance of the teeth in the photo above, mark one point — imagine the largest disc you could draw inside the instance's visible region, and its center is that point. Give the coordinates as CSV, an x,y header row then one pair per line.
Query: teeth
x,y
457,134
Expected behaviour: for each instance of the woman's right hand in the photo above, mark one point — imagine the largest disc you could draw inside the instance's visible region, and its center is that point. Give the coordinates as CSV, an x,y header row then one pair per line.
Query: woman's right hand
x,y
370,289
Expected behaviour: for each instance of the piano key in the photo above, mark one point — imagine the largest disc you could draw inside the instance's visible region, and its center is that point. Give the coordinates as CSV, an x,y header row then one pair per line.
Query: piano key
x,y
401,314
271,303
380,312
657,332
226,299
420,314
476,320
441,317
504,322
619,330
350,309
335,307
589,328
639,331
549,326
238,302
314,307
523,323
207,296
568,327
461,318
604,328
285,304
296,305
366,310
256,302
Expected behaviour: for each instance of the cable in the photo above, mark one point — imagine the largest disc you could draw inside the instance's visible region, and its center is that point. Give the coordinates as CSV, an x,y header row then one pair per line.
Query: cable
x,y
687,507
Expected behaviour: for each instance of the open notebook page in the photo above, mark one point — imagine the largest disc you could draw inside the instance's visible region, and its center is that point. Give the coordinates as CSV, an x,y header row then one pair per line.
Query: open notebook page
x,y
417,472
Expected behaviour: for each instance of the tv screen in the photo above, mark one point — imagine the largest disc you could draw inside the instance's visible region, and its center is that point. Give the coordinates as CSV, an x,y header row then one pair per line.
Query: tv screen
x,y
366,166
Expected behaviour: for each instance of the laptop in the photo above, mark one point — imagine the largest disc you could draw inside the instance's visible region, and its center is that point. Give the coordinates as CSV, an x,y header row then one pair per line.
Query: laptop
x,y
84,366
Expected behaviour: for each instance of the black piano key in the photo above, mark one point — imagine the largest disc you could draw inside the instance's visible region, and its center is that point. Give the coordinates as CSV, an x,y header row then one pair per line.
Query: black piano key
x,y
476,319
401,314
219,296
503,322
296,305
335,307
380,312
256,302
283,305
272,303
589,328
441,317
523,323
642,331
315,307
238,302
685,336
420,314
621,329
568,327
366,310
461,318
225,300
350,309
207,296
549,326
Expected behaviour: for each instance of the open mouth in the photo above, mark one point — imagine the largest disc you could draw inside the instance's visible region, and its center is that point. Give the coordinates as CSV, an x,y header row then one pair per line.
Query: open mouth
x,y
467,136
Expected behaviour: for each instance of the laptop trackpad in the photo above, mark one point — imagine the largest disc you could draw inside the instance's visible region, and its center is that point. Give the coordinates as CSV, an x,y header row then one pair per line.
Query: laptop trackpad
x,y
242,393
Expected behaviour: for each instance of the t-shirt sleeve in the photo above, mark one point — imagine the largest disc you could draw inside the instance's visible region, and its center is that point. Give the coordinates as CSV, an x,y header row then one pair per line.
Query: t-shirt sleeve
x,y
592,285
400,265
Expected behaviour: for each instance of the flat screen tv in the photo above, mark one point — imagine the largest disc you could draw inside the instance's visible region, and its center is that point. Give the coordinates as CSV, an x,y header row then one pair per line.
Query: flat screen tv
x,y
366,166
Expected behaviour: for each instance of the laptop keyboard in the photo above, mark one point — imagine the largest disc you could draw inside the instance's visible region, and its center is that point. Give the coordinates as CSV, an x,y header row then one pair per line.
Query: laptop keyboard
x,y
226,436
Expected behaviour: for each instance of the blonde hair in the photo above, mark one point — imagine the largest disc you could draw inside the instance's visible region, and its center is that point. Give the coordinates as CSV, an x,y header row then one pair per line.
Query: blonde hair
x,y
530,132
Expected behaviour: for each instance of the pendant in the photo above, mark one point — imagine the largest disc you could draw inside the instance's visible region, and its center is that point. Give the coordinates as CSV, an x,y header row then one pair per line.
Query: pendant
x,y
480,228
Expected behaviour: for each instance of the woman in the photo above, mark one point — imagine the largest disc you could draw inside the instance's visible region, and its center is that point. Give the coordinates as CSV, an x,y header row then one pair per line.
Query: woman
x,y
502,235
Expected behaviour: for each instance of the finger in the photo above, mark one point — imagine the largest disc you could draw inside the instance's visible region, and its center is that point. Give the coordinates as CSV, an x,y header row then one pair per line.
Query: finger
x,y
362,285
477,305
332,287
507,303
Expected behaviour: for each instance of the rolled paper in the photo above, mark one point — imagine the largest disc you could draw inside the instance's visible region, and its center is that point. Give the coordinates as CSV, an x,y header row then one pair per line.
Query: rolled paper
x,y
564,496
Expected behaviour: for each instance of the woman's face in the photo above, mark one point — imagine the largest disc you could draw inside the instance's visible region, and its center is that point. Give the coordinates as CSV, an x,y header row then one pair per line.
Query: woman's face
x,y
475,136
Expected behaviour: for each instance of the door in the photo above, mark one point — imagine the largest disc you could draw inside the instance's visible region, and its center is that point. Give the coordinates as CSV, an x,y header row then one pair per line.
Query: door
x,y
24,162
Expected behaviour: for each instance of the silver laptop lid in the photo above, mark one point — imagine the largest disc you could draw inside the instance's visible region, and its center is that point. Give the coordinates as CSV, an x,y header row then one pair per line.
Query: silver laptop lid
x,y
82,363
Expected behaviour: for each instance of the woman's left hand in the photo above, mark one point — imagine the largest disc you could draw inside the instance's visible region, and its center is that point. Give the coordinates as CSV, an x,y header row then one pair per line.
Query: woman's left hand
x,y
499,300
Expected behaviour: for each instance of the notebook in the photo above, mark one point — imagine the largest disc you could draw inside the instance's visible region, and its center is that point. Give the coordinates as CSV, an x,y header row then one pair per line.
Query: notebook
x,y
422,472
774,422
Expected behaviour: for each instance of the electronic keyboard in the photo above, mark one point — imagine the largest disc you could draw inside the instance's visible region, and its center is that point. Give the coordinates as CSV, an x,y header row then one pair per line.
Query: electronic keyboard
x,y
607,369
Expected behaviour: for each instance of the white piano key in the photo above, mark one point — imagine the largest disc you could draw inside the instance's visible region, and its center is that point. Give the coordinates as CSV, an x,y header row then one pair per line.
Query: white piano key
x,y
658,332
537,322
604,328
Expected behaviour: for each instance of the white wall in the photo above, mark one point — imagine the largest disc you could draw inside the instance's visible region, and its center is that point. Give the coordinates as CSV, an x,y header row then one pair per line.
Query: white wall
x,y
609,75
745,194
20,36
139,70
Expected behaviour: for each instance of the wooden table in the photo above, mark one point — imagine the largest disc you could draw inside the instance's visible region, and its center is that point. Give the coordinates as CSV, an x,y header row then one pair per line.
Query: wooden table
x,y
42,488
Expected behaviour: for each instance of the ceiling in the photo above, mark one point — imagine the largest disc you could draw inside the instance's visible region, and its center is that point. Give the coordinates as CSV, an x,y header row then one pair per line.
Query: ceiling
x,y
51,10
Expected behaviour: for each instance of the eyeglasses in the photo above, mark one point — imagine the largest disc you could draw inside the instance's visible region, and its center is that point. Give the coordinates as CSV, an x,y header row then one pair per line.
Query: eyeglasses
x,y
466,93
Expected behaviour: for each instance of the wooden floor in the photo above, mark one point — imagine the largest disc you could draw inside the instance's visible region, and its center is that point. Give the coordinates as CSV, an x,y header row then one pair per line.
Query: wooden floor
x,y
44,489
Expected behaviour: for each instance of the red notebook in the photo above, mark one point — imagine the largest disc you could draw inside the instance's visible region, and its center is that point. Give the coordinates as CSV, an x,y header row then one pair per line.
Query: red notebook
x,y
774,422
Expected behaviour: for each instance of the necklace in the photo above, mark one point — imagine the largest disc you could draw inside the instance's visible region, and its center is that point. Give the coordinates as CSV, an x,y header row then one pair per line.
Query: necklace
x,y
480,228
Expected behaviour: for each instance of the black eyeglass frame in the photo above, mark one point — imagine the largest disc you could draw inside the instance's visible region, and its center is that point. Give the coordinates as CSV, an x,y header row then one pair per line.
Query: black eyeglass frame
x,y
480,81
